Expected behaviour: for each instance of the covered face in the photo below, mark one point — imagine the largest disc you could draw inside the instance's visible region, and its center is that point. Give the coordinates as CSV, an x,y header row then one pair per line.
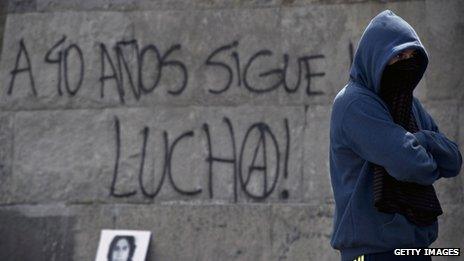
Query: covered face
x,y
386,38
402,75
397,84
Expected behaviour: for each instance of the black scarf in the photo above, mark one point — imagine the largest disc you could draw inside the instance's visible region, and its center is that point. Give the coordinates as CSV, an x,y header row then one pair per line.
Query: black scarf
x,y
418,203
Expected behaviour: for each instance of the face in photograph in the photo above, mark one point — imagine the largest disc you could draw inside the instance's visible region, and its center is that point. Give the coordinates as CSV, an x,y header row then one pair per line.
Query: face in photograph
x,y
121,248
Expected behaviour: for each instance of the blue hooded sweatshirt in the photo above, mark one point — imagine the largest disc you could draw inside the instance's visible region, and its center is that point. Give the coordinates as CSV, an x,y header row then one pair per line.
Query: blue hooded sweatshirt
x,y
362,131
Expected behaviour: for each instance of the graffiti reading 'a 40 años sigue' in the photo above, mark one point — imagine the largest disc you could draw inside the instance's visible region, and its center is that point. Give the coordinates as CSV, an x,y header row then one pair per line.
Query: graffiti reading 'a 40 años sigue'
x,y
123,65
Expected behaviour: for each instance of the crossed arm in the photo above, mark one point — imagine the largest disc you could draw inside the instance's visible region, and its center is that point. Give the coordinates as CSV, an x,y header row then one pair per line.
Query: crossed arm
x,y
422,157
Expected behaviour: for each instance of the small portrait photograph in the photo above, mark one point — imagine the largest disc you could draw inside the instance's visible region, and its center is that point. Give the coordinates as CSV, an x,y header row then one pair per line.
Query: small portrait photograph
x,y
123,245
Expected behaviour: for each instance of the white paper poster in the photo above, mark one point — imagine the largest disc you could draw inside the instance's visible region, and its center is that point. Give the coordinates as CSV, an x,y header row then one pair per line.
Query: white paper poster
x,y
123,245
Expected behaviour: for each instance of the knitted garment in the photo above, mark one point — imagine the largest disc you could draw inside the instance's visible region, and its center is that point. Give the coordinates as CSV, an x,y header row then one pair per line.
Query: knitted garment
x,y
418,203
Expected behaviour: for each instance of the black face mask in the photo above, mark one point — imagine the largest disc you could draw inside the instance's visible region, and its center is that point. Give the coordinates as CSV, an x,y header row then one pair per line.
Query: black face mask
x,y
398,82
400,76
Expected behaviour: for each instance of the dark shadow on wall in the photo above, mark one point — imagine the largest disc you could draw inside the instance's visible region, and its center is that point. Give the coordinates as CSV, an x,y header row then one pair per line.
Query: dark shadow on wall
x,y
20,6
35,238
3,8
13,6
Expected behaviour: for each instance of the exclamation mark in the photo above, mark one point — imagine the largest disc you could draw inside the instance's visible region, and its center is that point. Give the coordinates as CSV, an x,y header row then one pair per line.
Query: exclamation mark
x,y
284,194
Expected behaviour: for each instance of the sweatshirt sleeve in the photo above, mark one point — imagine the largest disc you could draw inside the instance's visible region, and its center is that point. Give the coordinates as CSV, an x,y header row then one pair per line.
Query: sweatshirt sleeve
x,y
371,133
445,152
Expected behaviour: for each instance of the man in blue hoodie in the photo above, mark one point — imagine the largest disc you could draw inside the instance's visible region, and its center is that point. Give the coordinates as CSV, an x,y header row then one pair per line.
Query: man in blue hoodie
x,y
363,132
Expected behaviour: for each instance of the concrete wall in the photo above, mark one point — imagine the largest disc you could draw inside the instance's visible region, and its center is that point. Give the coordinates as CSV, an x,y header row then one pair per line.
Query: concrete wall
x,y
169,116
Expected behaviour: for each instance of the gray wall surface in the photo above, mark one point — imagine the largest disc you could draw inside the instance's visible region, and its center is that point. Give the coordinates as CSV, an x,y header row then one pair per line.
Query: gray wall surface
x,y
170,116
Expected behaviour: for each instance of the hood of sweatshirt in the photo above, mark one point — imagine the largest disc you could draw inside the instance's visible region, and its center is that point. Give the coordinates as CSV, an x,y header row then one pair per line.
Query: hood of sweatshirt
x,y
386,36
